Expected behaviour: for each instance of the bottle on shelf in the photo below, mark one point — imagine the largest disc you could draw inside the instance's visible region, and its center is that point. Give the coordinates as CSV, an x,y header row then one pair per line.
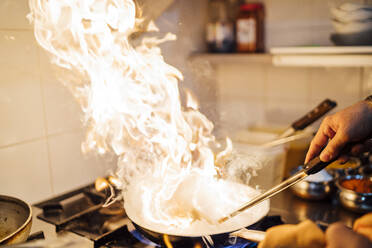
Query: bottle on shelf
x,y
220,28
250,28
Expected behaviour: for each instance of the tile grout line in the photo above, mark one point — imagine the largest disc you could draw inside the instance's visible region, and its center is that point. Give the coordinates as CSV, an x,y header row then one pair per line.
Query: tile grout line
x,y
45,124
308,86
266,71
22,142
16,29
362,80
27,141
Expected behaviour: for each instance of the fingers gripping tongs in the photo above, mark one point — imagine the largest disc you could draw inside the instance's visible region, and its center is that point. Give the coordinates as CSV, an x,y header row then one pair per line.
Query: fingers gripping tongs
x,y
312,167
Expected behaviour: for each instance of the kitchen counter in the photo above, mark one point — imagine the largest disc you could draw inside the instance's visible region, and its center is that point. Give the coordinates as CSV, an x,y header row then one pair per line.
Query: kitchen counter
x,y
293,210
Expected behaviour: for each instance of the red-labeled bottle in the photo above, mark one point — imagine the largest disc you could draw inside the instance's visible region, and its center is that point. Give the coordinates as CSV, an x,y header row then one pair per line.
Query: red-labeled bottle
x,y
250,28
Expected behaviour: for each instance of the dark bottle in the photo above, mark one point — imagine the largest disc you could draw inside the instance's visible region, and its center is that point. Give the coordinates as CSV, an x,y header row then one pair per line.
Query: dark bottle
x,y
220,28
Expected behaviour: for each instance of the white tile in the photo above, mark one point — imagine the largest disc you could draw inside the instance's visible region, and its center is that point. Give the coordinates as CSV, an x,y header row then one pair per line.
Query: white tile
x,y
293,12
20,93
288,83
320,10
339,84
238,80
25,171
18,51
287,10
285,112
70,168
236,113
63,112
13,14
297,23
298,36
341,104
367,82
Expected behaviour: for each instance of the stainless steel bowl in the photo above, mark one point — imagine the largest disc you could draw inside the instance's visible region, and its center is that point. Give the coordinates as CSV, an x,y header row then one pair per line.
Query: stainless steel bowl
x,y
312,190
351,167
350,199
365,170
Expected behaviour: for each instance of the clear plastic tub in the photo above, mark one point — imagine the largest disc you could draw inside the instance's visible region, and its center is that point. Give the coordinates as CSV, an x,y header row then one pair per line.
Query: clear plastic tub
x,y
254,165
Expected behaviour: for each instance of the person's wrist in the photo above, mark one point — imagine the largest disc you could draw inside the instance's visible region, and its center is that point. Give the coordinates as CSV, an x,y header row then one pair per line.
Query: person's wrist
x,y
368,104
368,99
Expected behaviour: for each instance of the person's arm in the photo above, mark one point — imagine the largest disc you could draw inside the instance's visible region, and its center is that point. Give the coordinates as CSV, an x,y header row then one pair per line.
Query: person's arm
x,y
340,236
303,235
349,125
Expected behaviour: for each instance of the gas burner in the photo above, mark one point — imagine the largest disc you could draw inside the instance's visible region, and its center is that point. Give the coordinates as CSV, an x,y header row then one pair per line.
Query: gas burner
x,y
81,212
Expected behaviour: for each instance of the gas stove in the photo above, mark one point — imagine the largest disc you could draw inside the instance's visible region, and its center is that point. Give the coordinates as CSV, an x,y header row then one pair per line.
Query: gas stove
x,y
79,219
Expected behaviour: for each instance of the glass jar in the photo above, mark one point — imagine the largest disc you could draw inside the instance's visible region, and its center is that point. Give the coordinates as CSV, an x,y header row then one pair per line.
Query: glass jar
x,y
220,28
250,28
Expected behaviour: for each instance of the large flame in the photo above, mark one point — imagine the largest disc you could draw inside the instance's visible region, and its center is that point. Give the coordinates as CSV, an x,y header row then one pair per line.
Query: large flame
x,y
130,98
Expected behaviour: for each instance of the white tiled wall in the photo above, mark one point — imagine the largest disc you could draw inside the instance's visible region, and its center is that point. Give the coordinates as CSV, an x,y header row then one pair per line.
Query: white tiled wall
x,y
40,129
279,95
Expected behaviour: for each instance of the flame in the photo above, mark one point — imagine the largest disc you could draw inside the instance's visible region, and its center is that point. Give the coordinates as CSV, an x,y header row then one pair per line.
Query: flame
x,y
130,98
167,242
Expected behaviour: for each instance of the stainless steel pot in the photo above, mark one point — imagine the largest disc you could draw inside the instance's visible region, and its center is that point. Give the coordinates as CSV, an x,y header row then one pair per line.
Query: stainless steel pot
x,y
312,190
350,199
15,220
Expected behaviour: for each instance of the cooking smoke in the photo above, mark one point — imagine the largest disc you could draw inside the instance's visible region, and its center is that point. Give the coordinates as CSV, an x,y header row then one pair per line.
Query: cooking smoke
x,y
131,103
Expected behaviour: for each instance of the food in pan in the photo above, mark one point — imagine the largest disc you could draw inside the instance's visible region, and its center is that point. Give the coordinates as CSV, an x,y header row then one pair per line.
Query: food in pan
x,y
193,207
362,185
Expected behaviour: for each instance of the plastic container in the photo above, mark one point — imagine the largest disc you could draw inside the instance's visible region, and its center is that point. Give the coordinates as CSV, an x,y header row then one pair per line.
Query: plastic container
x,y
296,150
254,165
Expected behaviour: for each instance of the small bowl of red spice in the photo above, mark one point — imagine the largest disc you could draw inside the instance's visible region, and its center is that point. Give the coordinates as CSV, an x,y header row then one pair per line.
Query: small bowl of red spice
x,y
355,192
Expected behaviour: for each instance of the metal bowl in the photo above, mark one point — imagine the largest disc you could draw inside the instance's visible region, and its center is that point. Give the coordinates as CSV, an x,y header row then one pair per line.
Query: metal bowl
x,y
312,190
365,170
351,167
350,199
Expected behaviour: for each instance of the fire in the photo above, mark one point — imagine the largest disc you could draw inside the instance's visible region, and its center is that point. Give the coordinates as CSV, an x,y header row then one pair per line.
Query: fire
x,y
130,99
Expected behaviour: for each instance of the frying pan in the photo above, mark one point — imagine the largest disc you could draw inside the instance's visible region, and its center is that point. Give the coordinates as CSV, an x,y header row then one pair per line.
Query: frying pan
x,y
157,232
15,220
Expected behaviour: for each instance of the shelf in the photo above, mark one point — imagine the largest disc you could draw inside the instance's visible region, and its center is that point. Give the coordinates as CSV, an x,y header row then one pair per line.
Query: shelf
x,y
220,58
293,60
322,50
329,60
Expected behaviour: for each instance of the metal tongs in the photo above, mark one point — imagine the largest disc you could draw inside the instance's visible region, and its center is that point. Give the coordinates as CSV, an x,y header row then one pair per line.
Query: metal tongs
x,y
312,167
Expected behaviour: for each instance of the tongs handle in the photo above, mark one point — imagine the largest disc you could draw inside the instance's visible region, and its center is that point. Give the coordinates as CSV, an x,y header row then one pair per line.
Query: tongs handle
x,y
314,114
316,165
312,167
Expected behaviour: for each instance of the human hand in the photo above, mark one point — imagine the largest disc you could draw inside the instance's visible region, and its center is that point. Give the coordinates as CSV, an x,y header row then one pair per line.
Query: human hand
x,y
304,235
340,236
363,226
349,125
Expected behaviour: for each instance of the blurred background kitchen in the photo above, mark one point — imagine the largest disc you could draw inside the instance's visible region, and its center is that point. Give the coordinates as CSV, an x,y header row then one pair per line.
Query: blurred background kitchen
x,y
240,85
